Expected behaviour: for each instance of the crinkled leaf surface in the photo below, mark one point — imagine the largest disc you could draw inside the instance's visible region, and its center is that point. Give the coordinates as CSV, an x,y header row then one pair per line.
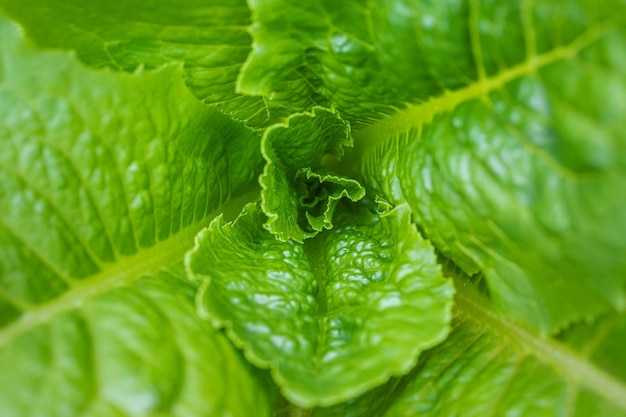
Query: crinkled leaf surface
x,y
322,192
520,173
106,178
490,366
333,46
210,38
299,196
332,317
137,350
371,58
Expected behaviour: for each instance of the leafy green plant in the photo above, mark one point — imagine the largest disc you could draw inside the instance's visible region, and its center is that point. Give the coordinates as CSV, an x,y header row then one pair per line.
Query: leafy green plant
x,y
322,208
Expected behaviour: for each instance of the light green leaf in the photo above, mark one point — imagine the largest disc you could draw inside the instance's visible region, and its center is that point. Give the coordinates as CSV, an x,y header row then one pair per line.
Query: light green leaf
x,y
332,317
137,350
601,343
106,178
520,173
320,203
492,367
210,38
299,196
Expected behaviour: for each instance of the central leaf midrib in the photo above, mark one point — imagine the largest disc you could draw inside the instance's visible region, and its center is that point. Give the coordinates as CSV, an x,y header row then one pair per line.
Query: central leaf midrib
x,y
416,115
473,306
123,272
312,249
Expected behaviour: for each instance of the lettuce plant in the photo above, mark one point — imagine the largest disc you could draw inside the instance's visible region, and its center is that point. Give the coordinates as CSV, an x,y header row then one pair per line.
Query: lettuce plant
x,y
312,208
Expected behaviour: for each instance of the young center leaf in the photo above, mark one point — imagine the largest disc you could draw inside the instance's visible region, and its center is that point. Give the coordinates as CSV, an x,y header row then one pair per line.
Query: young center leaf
x,y
106,178
332,317
299,196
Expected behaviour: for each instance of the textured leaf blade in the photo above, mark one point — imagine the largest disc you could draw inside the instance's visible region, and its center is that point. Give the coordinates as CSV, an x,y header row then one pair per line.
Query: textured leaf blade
x,y
106,179
391,53
398,52
135,351
327,44
519,175
209,38
489,366
333,317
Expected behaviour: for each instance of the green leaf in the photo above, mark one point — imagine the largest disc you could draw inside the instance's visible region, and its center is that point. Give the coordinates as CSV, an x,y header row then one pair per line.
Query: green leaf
x,y
210,38
299,196
332,317
326,43
491,367
106,178
520,173
137,350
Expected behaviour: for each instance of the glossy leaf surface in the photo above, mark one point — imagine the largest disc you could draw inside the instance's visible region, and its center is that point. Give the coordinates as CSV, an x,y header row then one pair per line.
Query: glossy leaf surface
x,y
520,173
332,317
104,183
490,366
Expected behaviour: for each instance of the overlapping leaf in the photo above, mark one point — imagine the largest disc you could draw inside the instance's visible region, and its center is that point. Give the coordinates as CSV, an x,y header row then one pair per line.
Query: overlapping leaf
x,y
369,58
210,38
137,350
106,178
490,366
520,174
332,317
